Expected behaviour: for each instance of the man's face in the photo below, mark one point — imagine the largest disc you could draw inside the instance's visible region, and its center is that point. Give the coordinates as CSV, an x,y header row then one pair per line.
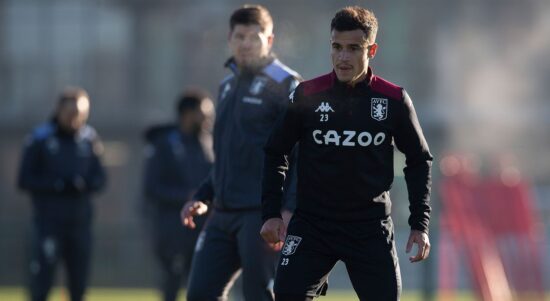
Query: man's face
x,y
350,54
72,115
195,121
250,45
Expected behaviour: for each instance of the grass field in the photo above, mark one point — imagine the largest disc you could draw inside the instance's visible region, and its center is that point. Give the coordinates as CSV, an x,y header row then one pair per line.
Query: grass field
x,y
112,294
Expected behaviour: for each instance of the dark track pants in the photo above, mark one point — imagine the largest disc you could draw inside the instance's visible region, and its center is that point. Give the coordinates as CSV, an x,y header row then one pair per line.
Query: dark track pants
x,y
313,246
174,246
229,244
54,241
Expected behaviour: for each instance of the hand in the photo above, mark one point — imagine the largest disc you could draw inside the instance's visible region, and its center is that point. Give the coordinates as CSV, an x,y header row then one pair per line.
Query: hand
x,y
274,232
76,184
79,183
421,239
287,215
191,209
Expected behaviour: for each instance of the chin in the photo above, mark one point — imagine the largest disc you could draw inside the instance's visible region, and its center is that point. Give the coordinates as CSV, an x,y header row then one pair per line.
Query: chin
x,y
343,79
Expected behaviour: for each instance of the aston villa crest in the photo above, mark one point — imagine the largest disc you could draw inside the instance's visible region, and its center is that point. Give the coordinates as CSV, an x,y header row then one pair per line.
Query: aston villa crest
x,y
291,244
257,85
379,108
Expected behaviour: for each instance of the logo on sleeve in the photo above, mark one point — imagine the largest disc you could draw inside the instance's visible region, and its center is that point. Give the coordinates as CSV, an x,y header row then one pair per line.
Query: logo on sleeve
x,y
291,244
226,89
379,108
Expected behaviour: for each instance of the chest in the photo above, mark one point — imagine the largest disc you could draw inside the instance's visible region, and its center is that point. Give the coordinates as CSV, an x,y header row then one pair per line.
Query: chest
x,y
249,99
55,148
350,121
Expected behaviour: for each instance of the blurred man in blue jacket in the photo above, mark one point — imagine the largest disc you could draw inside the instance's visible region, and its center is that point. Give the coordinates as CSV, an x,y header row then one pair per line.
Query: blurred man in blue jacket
x,y
179,157
61,170
250,100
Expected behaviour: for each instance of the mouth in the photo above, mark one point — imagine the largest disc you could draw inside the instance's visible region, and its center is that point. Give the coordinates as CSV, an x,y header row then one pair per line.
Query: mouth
x,y
344,68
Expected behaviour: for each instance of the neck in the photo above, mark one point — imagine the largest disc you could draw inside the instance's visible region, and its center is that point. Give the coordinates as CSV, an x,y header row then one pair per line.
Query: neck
x,y
359,79
257,65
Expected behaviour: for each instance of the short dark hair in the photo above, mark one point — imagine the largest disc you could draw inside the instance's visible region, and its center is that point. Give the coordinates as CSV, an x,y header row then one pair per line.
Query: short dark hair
x,y
191,100
355,17
252,15
71,94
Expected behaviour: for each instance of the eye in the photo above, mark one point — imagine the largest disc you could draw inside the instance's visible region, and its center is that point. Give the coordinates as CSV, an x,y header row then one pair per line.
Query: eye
x,y
336,46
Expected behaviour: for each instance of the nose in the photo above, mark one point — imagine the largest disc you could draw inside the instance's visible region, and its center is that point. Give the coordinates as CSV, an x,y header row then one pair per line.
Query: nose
x,y
344,55
246,43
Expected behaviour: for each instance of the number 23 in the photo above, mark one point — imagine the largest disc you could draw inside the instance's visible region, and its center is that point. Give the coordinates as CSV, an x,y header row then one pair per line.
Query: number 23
x,y
324,117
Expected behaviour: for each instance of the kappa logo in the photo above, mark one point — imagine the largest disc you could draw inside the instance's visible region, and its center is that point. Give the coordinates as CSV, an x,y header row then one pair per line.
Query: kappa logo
x,y
379,108
324,107
291,244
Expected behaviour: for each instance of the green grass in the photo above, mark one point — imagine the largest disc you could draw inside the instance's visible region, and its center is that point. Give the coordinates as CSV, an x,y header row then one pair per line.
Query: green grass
x,y
121,294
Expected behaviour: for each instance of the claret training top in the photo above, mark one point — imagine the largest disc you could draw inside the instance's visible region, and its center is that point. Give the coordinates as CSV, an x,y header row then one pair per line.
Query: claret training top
x,y
345,162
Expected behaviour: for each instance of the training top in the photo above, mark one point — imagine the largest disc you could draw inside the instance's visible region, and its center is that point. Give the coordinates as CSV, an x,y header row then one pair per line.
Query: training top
x,y
249,103
52,164
345,160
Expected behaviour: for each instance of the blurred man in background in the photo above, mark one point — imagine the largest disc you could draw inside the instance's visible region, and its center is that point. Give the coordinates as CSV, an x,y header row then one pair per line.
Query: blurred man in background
x,y
61,170
250,100
179,157
347,123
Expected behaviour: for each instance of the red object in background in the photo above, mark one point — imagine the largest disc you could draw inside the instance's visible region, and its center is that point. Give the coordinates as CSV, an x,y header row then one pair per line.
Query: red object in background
x,y
493,222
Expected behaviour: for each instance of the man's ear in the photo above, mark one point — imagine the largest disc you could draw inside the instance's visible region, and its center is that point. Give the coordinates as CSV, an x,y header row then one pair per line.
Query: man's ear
x,y
270,40
372,50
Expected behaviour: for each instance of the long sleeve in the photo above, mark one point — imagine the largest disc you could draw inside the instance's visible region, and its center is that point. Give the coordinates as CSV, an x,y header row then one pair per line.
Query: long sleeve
x,y
291,182
284,136
205,192
96,178
410,140
32,177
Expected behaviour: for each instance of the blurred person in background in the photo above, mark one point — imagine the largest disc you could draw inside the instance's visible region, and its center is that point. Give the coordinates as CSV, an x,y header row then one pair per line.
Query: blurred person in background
x,y
347,122
61,170
178,157
250,101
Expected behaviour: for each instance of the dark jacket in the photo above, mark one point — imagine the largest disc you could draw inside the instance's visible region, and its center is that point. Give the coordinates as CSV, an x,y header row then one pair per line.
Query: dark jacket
x,y
345,162
248,105
175,166
61,170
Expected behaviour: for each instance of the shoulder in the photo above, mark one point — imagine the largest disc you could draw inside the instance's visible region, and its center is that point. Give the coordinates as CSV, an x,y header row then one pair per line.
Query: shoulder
x,y
280,72
43,131
317,85
88,133
386,88
158,133
227,79
39,134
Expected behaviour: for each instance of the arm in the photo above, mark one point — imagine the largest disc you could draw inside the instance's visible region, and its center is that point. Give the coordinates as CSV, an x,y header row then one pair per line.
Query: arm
x,y
199,204
96,178
281,141
410,140
289,196
205,192
31,174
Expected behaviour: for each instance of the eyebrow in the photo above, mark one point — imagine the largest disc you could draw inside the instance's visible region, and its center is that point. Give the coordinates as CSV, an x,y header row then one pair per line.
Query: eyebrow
x,y
333,43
